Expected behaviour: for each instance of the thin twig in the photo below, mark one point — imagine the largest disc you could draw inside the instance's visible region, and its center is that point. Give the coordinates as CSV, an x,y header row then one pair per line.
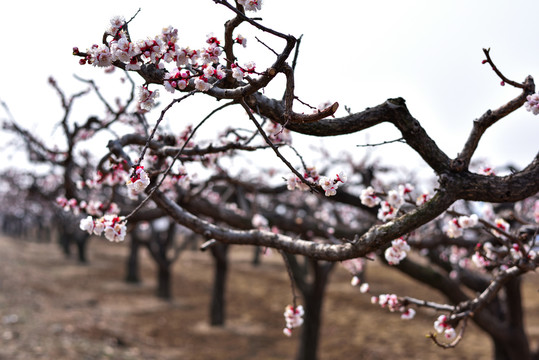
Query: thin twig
x,y
401,140
274,148
291,276
150,193
498,72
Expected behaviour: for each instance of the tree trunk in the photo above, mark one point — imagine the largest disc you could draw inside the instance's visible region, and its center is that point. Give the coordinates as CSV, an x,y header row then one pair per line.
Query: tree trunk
x,y
313,296
164,279
81,241
514,345
64,241
218,302
514,348
159,247
256,255
132,265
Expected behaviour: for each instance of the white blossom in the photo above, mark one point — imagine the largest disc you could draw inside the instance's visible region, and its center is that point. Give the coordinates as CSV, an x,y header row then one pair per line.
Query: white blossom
x,y
468,221
369,198
251,5
146,98
87,224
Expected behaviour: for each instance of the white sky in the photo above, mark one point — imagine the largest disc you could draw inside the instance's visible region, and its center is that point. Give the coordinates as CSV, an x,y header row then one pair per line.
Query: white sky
x,y
358,53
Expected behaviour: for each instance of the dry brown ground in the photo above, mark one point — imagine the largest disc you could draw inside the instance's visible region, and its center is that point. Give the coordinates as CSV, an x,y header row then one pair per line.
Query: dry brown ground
x,y
54,308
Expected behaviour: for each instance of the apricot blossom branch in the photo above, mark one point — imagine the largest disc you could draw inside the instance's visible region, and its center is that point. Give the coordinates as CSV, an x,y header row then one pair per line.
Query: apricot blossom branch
x,y
504,79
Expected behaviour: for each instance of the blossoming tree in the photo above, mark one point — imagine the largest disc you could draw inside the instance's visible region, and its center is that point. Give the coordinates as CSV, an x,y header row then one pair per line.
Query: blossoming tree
x,y
467,240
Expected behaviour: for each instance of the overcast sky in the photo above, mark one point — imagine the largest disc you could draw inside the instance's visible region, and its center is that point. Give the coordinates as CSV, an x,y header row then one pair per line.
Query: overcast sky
x,y
358,53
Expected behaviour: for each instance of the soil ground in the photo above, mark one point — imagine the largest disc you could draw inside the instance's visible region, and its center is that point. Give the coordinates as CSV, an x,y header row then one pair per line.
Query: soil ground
x,y
54,308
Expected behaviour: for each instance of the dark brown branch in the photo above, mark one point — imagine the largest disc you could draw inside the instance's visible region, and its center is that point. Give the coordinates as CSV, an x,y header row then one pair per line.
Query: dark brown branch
x,y
488,119
375,238
505,80
495,189
393,111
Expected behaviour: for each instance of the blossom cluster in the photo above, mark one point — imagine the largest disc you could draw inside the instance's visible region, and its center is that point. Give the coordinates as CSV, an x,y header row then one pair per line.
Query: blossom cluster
x,y
310,174
488,254
115,176
293,317
181,179
331,184
397,251
502,225
363,288
455,227
259,221
68,205
239,72
369,198
532,103
251,5
389,208
95,208
137,183
443,327
278,134
190,64
146,98
112,226
392,303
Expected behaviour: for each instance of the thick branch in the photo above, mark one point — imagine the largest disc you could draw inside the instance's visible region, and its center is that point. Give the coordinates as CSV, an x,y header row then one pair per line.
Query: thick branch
x,y
375,238
511,188
393,111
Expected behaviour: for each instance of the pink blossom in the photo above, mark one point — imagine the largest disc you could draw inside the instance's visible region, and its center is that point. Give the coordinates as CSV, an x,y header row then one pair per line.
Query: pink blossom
x,y
122,49
364,288
293,317
87,224
397,251
423,198
441,324
114,227
100,55
251,5
241,40
138,183
201,84
408,314
502,224
405,189
453,229
369,198
387,212
115,24
532,103
391,301
479,260
146,98
328,185
395,199
450,333
259,221
237,72
468,221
